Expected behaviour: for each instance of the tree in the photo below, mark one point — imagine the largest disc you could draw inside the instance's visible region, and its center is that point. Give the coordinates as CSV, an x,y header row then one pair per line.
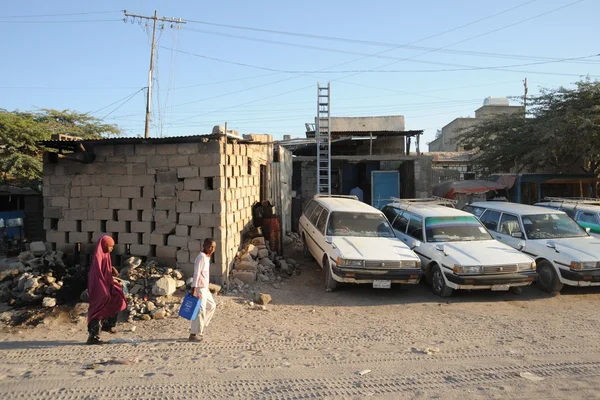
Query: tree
x,y
20,155
561,130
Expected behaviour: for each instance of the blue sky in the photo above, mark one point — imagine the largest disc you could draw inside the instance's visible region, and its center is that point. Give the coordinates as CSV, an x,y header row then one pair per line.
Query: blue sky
x,y
95,62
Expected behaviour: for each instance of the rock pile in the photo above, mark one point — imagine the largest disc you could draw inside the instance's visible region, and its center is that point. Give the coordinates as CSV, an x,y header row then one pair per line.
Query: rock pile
x,y
38,277
149,287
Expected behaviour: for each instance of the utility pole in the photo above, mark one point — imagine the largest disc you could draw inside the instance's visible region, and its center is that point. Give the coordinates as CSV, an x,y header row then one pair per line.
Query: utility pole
x,y
173,22
525,96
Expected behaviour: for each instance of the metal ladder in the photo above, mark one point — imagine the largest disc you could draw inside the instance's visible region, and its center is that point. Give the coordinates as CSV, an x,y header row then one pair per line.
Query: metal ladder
x,y
323,139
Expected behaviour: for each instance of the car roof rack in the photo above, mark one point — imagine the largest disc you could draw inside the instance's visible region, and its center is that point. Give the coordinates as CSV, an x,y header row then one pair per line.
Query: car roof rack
x,y
338,196
433,200
576,200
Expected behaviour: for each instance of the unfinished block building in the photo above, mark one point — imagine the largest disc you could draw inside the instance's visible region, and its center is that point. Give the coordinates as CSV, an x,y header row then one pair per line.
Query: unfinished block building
x,y
158,198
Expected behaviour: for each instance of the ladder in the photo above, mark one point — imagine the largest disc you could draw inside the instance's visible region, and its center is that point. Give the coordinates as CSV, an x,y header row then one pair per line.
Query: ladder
x,y
323,140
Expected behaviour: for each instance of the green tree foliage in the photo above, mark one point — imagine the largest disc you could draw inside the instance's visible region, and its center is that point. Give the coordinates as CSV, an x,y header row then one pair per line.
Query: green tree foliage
x,y
562,130
20,155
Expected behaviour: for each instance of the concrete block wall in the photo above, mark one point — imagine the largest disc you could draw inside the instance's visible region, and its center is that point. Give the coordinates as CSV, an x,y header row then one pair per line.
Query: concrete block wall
x,y
242,176
309,181
423,165
156,200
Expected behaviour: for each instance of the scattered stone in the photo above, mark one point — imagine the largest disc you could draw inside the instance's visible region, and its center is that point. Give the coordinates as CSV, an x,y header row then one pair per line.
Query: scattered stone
x,y
146,317
179,284
263,278
135,289
85,296
287,240
49,302
25,256
159,314
214,288
246,266
263,253
246,257
150,306
267,263
165,286
247,277
50,279
132,329
252,250
364,372
263,298
177,274
31,283
251,304
258,241
277,285
283,266
37,249
132,263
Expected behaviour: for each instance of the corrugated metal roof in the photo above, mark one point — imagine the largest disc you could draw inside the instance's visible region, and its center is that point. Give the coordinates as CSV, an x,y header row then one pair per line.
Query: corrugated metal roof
x,y
132,140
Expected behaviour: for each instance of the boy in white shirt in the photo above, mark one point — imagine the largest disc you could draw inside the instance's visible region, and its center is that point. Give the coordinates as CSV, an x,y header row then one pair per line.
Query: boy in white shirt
x,y
200,290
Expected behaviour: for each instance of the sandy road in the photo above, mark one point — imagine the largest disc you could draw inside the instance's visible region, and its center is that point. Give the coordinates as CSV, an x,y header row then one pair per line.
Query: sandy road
x,y
311,345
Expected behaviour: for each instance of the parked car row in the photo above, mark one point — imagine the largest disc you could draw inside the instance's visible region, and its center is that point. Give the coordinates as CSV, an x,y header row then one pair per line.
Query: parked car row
x,y
489,245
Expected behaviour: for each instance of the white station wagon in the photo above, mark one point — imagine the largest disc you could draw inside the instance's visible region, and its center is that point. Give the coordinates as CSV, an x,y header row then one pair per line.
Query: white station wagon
x,y
456,250
565,253
354,243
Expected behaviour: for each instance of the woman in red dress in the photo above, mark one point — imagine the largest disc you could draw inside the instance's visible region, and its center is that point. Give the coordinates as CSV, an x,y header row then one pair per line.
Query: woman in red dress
x,y
106,296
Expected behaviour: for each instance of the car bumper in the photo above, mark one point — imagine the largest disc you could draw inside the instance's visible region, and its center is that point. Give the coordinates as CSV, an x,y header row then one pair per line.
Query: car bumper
x,y
581,278
489,281
362,275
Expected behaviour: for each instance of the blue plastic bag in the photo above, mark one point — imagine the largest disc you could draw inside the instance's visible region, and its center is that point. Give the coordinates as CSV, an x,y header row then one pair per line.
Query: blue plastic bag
x,y
190,307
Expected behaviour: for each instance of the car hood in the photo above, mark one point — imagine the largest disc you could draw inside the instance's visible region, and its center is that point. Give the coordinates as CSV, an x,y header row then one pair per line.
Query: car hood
x,y
482,252
574,249
373,248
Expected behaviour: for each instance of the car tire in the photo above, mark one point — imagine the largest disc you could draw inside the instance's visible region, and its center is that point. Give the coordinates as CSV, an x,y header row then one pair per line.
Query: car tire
x,y
305,250
548,279
438,284
330,283
517,290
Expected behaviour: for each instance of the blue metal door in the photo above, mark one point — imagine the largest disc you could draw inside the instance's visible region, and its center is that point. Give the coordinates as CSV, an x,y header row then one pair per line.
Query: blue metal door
x,y
385,185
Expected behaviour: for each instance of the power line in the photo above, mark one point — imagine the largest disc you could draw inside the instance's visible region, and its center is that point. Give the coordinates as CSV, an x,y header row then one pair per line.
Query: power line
x,y
59,21
118,101
60,15
122,104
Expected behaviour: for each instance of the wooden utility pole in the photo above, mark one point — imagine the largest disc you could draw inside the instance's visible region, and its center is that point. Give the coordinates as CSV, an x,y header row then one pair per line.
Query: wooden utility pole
x,y
173,22
525,96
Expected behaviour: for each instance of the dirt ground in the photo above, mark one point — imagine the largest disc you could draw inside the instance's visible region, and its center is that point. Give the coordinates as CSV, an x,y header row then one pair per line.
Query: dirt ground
x,y
310,344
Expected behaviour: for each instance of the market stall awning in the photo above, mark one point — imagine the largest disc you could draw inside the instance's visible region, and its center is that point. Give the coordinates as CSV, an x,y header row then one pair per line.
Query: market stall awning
x,y
451,188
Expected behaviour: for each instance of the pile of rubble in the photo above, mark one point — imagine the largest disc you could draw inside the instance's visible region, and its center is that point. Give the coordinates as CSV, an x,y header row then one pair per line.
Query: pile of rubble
x,y
256,262
293,241
38,277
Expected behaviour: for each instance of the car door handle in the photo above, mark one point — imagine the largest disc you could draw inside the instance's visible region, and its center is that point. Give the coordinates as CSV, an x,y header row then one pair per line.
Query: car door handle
x,y
498,237
406,240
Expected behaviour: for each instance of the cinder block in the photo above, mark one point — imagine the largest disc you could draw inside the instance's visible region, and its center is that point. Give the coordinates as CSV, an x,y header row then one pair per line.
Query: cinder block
x,y
53,236
189,219
142,204
210,195
128,215
187,172
179,186
165,229
177,241
75,191
109,169
183,256
67,225
98,202
166,203
110,191
95,238
188,195
145,149
115,160
203,160
136,169
142,250
143,180
53,212
148,191
213,220
168,176
129,238
124,150
104,150
164,190
79,237
74,215
135,159
59,202
157,161
248,277
184,207
166,252
119,249
147,215
202,207
166,149
194,184
187,148
101,180
124,180
182,230
194,247
132,192
210,171
158,239
90,226
116,227
178,161
60,180
118,204
141,227
200,232
56,190
161,217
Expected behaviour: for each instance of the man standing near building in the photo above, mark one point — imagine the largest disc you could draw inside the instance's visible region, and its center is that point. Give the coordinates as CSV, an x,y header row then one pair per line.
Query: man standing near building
x,y
200,289
356,191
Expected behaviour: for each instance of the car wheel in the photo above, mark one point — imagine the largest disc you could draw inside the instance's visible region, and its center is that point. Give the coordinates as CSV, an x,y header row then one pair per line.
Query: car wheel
x,y
516,290
330,283
438,284
305,249
548,278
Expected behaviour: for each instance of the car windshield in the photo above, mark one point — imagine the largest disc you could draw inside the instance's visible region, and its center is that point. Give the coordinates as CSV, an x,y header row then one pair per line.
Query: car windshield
x,y
358,224
455,229
551,226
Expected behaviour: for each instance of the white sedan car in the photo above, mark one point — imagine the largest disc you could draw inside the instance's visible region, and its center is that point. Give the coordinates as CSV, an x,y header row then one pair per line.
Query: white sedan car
x,y
354,243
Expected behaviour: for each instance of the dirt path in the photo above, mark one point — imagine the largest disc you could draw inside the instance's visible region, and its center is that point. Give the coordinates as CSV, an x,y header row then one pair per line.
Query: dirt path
x,y
312,344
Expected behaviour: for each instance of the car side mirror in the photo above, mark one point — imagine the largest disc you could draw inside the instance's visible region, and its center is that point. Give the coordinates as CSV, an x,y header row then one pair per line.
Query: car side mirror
x,y
415,244
440,247
328,240
552,245
521,246
517,235
588,230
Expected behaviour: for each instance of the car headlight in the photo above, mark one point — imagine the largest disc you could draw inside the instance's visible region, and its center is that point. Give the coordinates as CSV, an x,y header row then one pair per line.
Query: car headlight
x,y
350,263
411,264
526,266
579,266
460,269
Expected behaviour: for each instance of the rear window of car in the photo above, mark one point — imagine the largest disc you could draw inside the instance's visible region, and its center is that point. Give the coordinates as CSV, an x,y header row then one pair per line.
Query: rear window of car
x,y
477,211
310,208
391,213
490,219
